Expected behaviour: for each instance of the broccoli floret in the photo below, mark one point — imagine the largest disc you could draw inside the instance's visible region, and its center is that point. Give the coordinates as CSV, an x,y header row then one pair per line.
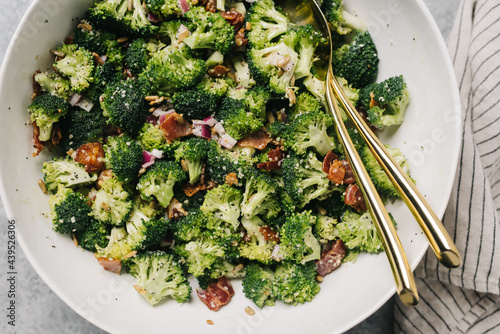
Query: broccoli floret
x,y
112,203
195,103
125,106
268,23
105,75
386,102
190,227
143,231
172,68
151,210
164,8
237,121
297,240
225,203
158,182
66,172
200,254
310,131
117,247
306,103
304,179
264,64
228,269
341,21
77,65
216,86
260,197
334,205
45,110
122,15
209,31
151,137
358,232
159,276
324,229
222,162
256,100
95,234
295,283
357,62
124,156
69,211
81,127
136,56
379,178
193,151
308,39
54,84
258,285
258,247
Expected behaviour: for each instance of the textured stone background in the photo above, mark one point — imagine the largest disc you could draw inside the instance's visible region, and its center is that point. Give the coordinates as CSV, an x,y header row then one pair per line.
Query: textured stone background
x,y
39,310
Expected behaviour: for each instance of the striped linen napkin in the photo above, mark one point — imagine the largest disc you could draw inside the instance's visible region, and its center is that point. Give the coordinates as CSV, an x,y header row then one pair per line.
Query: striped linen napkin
x,y
466,299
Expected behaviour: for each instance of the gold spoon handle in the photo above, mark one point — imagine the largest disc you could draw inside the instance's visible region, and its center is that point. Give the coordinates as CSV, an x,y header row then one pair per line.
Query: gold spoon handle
x,y
405,283
439,239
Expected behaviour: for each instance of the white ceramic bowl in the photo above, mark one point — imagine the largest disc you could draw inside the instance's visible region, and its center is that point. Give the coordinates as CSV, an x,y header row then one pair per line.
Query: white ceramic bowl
x,y
409,43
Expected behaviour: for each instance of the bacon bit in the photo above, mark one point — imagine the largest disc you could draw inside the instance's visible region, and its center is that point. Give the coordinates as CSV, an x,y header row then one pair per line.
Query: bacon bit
x,y
218,71
234,18
354,198
268,233
175,210
105,175
210,322
127,73
140,289
276,157
249,311
191,189
336,173
331,259
174,126
349,174
210,5
231,179
69,40
91,155
110,264
217,294
258,140
56,135
37,144
239,38
330,157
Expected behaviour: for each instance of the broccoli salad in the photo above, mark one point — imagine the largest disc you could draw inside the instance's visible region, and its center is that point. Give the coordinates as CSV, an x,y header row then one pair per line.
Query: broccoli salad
x,y
190,138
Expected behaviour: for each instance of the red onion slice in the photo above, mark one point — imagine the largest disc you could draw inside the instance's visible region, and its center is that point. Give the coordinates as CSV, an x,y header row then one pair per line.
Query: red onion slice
x,y
183,5
153,18
151,120
210,121
227,141
147,159
162,110
202,131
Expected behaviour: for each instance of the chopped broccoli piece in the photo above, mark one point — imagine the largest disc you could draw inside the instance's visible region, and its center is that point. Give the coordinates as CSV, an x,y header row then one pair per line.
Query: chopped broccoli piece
x,y
158,182
268,23
200,254
258,248
105,75
77,65
222,162
45,110
358,232
306,103
256,100
308,39
151,137
341,21
209,31
258,285
386,102
310,131
136,56
379,178
297,240
164,8
260,197
124,103
54,84
357,62
242,73
122,15
112,203
81,127
193,151
195,103
190,227
94,235
69,211
124,156
143,231
225,203
334,204
295,283
159,276
324,229
237,121
66,172
304,179
117,247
